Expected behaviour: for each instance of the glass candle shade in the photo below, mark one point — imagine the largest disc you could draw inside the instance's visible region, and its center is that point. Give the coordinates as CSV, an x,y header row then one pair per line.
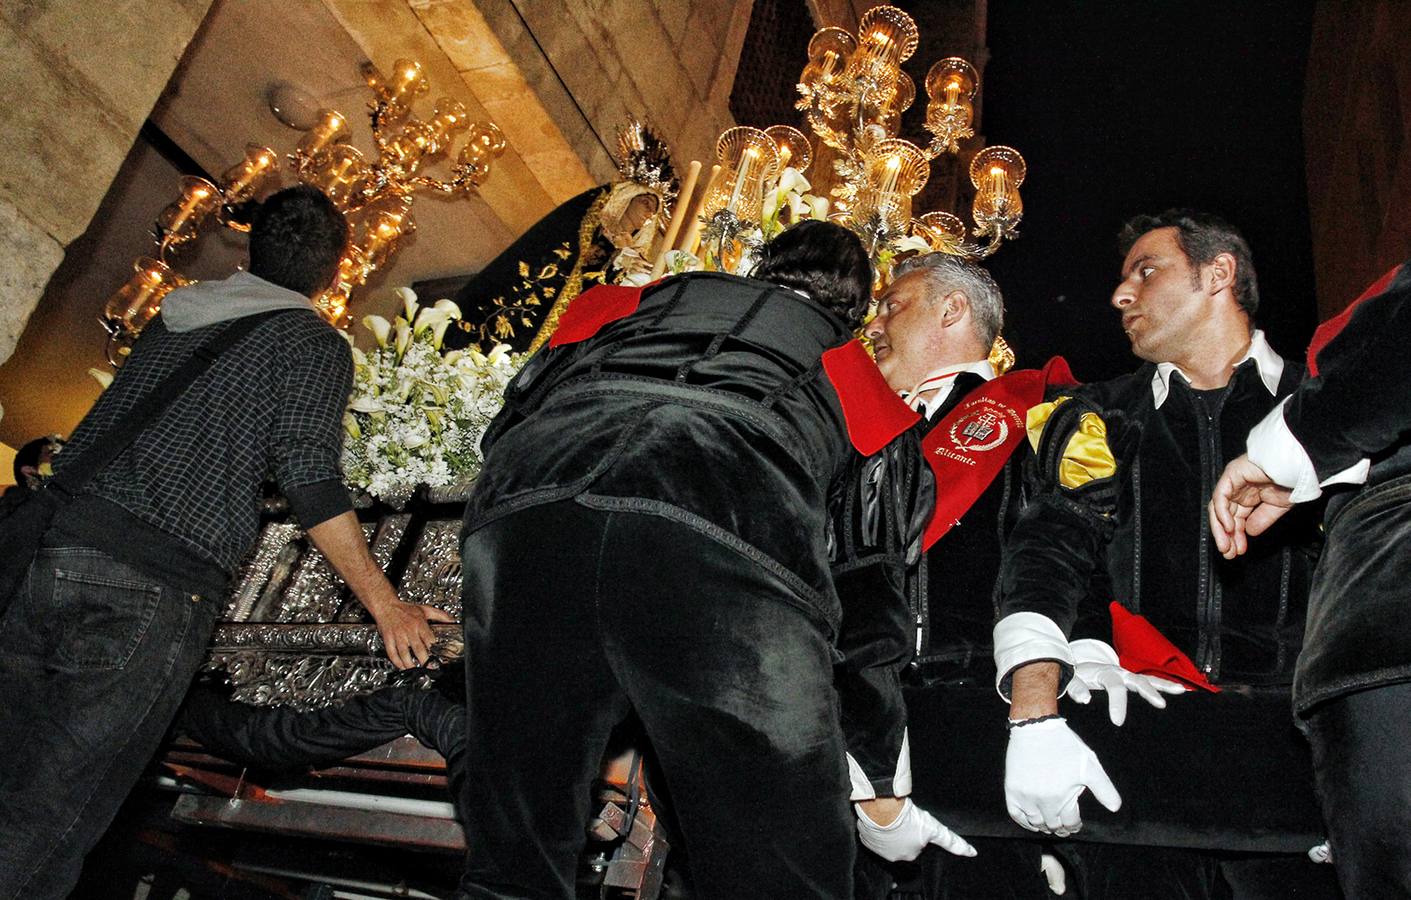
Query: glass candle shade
x,y
792,146
406,83
828,52
134,304
244,179
747,157
448,119
939,229
179,222
997,172
379,226
484,143
339,171
951,80
331,128
896,165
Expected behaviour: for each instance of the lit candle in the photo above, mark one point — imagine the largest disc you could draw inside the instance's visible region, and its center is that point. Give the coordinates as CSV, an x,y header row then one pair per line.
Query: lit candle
x,y
997,187
257,162
952,93
784,155
406,82
331,127
889,175
746,164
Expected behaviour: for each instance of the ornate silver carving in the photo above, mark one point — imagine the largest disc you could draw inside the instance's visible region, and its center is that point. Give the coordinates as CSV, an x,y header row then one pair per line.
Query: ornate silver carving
x,y
433,574
303,682
270,551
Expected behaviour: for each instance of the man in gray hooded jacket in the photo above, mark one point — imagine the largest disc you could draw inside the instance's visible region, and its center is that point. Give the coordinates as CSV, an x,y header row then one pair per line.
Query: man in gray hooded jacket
x,y
111,623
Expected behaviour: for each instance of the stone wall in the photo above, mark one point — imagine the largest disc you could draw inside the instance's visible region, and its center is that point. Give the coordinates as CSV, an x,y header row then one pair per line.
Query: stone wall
x,y
595,62
76,95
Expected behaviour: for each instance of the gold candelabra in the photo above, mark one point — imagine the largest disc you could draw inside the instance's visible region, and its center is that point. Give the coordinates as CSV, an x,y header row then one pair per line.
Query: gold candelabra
x,y
853,93
375,193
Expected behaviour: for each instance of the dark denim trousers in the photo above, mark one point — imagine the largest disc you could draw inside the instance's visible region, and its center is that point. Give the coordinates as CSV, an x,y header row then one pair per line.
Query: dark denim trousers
x,y
573,617
94,660
1362,759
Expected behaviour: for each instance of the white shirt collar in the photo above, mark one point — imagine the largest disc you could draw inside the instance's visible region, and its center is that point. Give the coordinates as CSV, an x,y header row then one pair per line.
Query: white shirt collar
x,y
980,367
1269,364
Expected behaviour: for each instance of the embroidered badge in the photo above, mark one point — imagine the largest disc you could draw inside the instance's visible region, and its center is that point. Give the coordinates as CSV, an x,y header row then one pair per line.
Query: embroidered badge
x,y
982,425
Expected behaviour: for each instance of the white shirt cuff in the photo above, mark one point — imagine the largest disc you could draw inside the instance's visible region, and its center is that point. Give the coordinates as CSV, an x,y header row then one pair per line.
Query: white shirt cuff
x,y
1024,637
1273,448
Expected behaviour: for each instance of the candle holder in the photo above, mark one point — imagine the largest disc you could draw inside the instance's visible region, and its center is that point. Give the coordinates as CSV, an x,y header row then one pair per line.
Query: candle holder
x,y
375,193
853,92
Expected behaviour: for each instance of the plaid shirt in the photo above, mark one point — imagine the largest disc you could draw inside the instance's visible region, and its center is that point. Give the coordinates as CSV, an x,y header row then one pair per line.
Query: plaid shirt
x,y
272,405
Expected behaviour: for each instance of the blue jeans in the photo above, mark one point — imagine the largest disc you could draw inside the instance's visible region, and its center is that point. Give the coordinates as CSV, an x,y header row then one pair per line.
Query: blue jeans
x,y
95,658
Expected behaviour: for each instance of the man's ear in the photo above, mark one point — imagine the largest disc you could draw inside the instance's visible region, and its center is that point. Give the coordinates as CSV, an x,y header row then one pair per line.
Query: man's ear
x,y
1220,273
954,307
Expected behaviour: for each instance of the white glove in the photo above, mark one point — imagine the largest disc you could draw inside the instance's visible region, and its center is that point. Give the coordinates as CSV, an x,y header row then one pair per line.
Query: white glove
x,y
1323,853
1095,668
1046,769
908,835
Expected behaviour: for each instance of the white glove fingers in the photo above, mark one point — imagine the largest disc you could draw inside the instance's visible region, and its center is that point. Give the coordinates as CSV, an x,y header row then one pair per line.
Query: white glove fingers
x,y
1148,692
1166,686
1102,787
950,842
1117,704
1078,690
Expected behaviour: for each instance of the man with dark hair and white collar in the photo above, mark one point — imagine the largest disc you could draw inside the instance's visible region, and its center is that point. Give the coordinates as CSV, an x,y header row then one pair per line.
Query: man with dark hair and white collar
x,y
1218,788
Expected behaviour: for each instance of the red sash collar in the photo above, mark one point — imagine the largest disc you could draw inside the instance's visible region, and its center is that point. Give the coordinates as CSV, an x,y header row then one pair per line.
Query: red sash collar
x,y
600,305
873,412
967,448
1329,329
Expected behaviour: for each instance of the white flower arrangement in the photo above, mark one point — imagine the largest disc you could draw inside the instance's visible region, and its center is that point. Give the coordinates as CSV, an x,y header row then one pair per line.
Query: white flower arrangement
x,y
416,416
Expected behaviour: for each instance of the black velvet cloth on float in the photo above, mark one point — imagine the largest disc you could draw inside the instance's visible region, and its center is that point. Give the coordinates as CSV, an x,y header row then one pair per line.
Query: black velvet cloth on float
x,y
1224,771
509,299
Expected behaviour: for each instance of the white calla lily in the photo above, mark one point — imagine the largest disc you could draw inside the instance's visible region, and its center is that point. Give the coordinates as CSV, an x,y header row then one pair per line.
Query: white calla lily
x,y
818,207
912,242
438,331
379,327
404,337
409,302
366,405
791,181
448,307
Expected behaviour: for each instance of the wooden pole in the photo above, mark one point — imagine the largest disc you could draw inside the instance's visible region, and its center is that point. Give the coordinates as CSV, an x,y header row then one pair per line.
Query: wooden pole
x,y
693,230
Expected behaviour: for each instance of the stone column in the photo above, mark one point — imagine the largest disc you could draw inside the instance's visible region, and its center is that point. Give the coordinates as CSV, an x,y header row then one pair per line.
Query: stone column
x,y
80,79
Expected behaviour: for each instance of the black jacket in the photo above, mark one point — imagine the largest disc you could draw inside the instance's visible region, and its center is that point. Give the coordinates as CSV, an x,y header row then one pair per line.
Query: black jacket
x,y
1149,545
710,393
1359,406
709,405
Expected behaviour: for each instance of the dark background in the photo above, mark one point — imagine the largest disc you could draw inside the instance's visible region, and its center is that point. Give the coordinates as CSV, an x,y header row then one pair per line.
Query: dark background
x,y
1127,108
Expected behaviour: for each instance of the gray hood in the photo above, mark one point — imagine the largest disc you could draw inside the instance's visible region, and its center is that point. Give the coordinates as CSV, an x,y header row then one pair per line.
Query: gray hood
x,y
242,294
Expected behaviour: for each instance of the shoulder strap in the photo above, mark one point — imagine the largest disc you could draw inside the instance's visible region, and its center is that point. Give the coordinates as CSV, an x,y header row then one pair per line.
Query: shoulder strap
x,y
108,445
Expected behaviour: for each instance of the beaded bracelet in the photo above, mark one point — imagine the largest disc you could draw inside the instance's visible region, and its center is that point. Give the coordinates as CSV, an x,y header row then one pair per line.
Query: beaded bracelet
x,y
1020,723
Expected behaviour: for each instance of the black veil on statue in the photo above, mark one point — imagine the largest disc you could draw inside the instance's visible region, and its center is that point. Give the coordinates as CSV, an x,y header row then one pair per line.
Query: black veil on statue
x,y
517,298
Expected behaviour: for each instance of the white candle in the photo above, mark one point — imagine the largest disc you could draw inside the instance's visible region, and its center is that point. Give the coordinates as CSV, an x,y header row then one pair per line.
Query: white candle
x,y
889,177
746,164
